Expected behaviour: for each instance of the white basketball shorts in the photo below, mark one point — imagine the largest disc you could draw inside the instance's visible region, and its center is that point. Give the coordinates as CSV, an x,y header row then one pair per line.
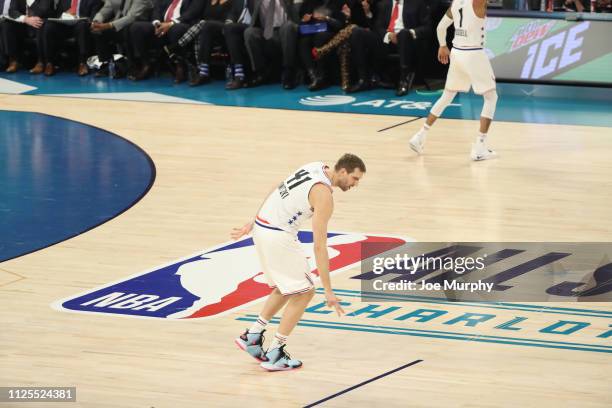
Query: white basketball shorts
x,y
470,67
283,261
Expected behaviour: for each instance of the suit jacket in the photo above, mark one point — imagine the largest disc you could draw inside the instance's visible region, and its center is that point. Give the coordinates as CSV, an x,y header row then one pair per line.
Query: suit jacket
x,y
40,8
415,15
288,5
191,10
237,8
122,17
87,8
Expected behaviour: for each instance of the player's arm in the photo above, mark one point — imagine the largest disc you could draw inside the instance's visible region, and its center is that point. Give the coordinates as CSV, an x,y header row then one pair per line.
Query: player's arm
x,y
480,8
246,228
321,200
443,51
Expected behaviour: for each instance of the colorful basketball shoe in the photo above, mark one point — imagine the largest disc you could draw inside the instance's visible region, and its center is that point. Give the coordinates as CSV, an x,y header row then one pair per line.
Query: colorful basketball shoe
x,y
252,343
280,360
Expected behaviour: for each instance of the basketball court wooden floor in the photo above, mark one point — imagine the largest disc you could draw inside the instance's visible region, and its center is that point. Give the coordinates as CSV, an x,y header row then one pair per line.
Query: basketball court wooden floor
x,y
214,165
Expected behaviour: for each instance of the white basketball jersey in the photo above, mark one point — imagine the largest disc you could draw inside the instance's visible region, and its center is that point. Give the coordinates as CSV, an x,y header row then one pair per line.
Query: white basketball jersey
x,y
288,206
469,28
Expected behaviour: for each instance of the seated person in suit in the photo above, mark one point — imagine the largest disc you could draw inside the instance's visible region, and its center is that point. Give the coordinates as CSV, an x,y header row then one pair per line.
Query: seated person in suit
x,y
110,27
210,34
272,34
4,11
171,19
400,26
55,32
237,22
28,19
200,39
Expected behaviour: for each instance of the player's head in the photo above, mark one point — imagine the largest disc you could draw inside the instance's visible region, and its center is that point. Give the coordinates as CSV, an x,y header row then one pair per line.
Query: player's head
x,y
348,171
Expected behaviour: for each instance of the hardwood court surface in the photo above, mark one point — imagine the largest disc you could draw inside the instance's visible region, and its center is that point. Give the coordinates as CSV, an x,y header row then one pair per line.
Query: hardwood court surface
x,y
214,165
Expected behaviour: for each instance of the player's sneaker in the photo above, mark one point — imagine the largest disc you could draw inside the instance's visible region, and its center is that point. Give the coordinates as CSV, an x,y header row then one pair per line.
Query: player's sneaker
x,y
417,142
481,152
280,360
252,343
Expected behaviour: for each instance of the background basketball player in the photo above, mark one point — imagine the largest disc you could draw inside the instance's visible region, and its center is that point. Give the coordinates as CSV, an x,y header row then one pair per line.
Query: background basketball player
x,y
305,194
469,67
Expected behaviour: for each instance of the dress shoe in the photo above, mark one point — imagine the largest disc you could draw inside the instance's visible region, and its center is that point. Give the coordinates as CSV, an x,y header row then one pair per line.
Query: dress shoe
x,y
377,82
258,79
120,72
288,79
49,69
39,68
82,70
102,72
179,73
361,85
142,73
12,67
317,81
405,85
199,79
236,83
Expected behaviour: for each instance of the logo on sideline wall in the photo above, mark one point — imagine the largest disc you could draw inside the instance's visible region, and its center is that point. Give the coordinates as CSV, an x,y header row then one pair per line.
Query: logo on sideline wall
x,y
212,282
334,100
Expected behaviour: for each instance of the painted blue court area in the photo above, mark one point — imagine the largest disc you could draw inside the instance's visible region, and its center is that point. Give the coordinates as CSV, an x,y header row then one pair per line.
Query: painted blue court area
x,y
60,178
548,104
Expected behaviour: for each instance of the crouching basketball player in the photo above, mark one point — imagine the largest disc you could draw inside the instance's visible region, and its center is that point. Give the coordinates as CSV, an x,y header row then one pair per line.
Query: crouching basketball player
x,y
469,67
305,194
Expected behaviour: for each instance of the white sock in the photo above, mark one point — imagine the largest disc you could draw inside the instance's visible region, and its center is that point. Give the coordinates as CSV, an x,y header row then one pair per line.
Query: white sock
x,y
279,340
424,130
422,133
259,325
481,138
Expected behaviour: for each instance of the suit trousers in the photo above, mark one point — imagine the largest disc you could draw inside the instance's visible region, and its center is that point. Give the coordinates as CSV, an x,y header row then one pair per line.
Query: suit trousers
x,y
211,35
3,53
55,33
234,40
14,34
142,37
107,41
283,43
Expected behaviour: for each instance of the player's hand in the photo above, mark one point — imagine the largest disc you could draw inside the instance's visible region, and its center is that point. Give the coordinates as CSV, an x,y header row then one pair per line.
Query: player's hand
x,y
239,232
333,301
393,38
306,18
443,53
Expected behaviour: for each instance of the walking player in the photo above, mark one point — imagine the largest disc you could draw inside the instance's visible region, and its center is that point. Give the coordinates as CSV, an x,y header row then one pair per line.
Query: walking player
x,y
469,67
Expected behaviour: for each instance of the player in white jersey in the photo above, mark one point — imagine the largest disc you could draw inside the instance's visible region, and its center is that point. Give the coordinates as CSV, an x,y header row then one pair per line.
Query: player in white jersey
x,y
469,67
305,194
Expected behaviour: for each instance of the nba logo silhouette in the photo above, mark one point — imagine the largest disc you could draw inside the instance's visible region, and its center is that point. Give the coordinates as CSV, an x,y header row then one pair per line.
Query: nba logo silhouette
x,y
212,282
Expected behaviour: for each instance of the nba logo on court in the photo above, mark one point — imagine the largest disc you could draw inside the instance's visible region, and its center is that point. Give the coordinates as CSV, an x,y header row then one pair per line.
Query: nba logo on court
x,y
212,282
